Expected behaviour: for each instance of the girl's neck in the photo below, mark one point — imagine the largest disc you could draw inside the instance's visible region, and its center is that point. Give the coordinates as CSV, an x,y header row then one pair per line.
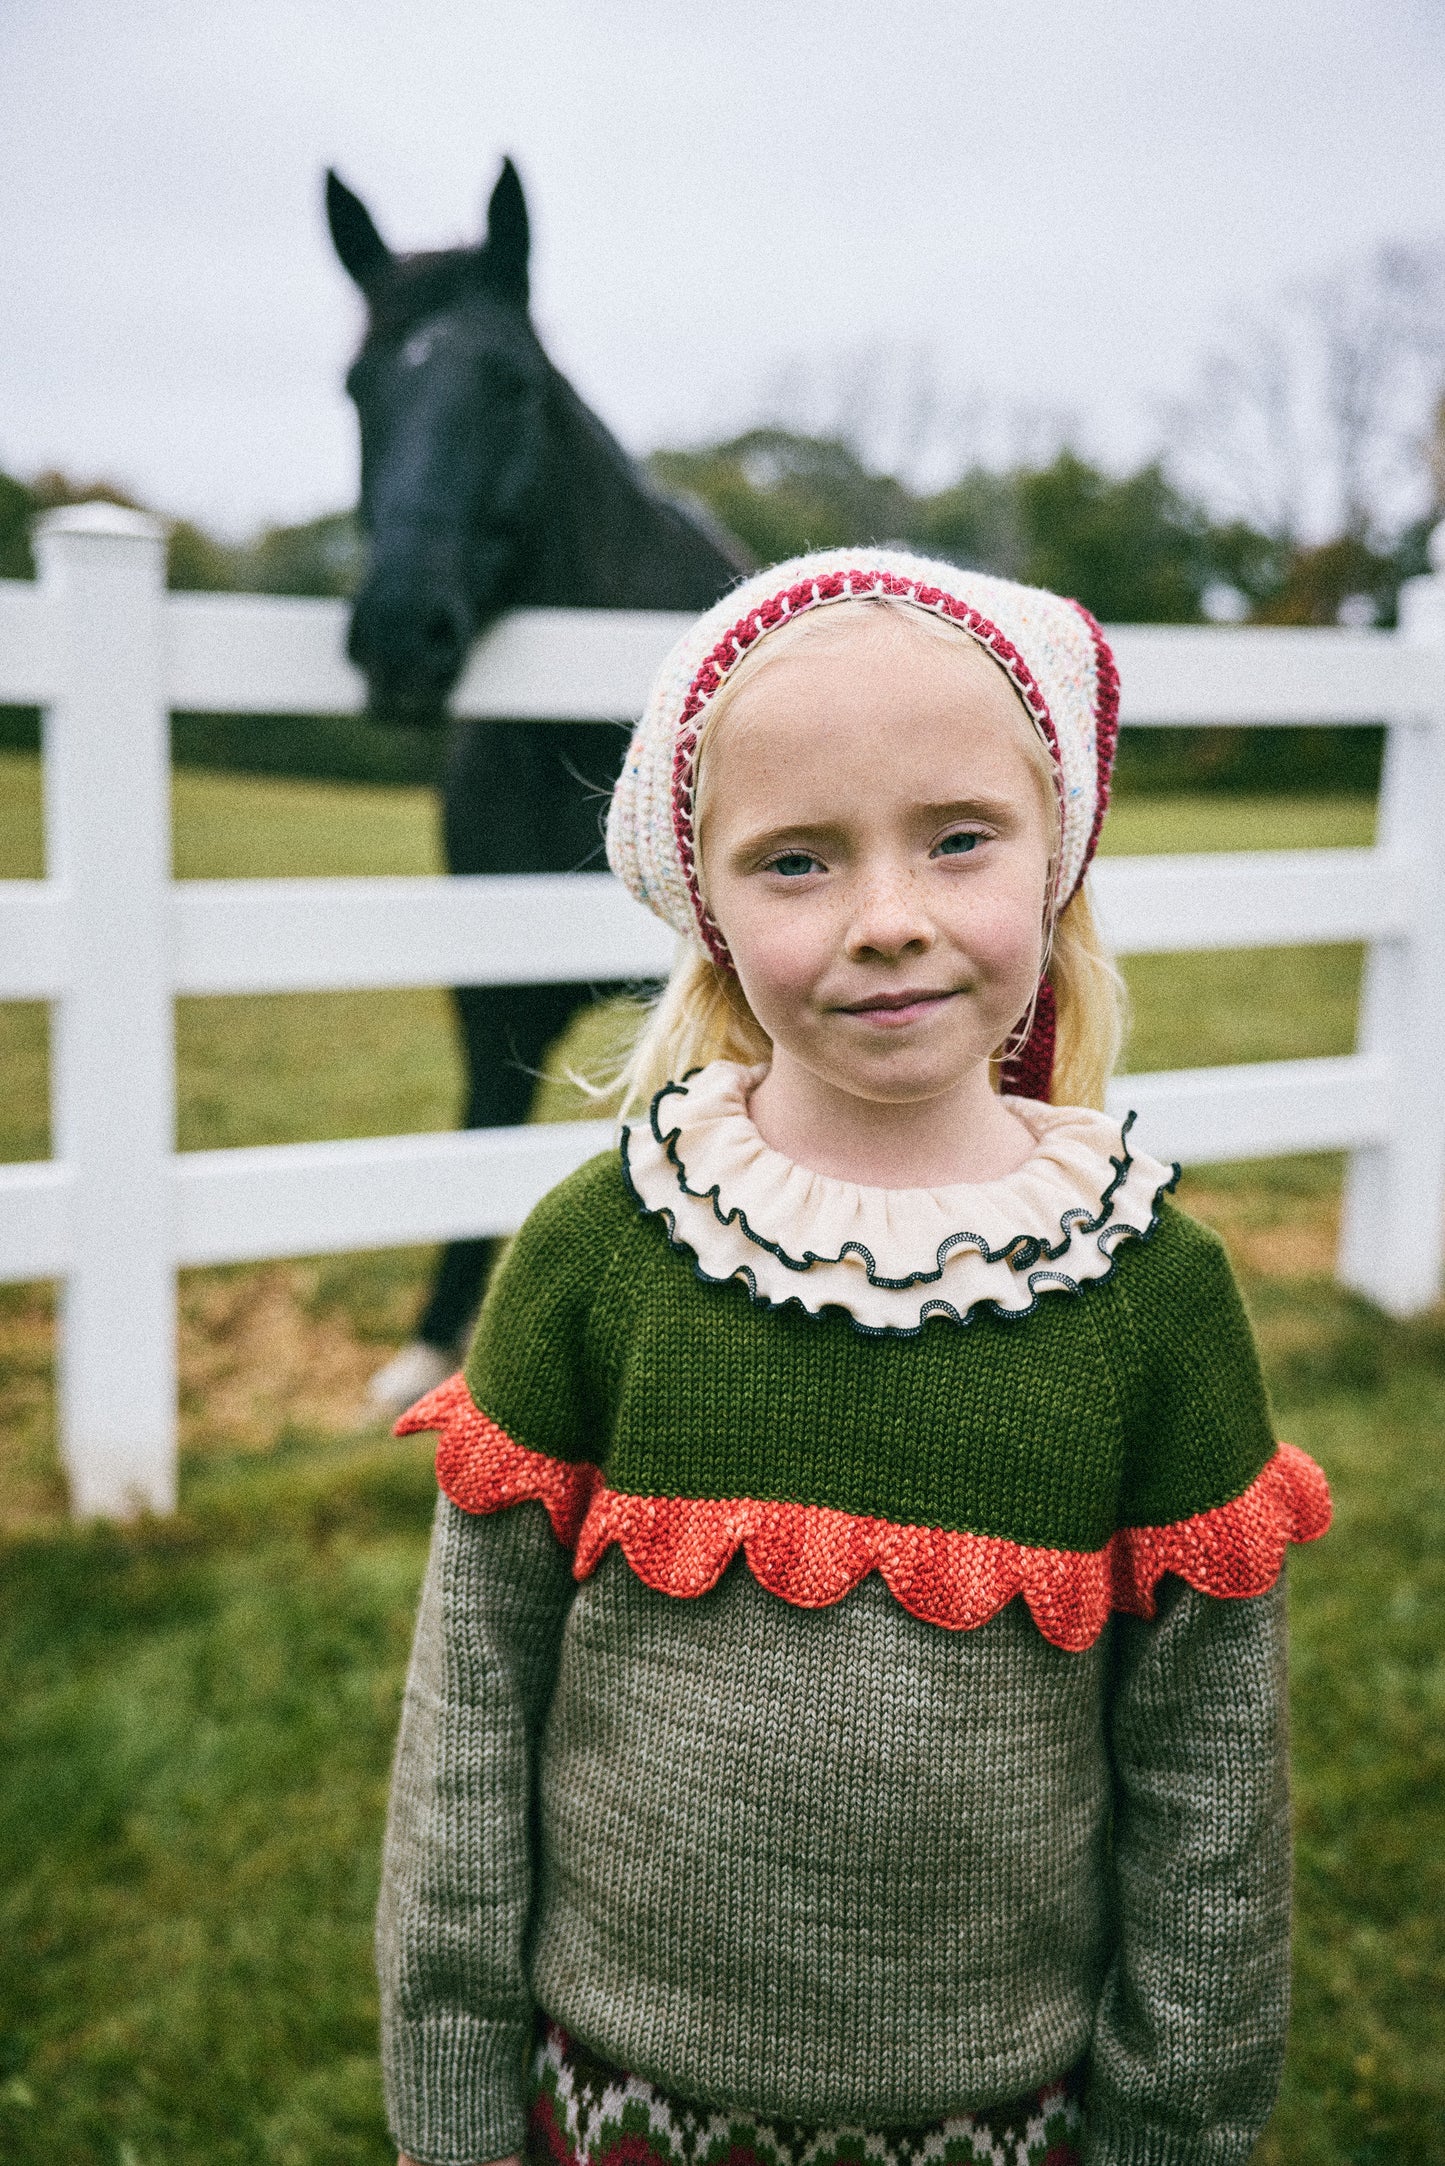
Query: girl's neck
x,y
966,1135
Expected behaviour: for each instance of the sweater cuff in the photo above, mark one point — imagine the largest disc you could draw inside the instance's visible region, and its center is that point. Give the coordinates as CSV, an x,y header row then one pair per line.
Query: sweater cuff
x,y
455,2089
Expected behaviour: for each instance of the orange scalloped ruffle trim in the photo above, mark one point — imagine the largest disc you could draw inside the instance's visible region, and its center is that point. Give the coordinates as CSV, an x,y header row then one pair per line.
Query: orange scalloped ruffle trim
x,y
812,1555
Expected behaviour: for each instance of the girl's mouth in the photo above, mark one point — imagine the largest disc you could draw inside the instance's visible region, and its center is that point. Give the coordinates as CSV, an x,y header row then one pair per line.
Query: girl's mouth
x,y
893,1011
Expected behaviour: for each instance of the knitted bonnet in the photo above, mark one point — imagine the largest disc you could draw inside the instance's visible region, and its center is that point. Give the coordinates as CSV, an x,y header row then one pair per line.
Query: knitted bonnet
x,y
1052,651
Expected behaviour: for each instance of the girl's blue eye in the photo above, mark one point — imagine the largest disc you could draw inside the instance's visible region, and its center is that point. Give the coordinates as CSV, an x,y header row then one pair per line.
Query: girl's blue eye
x,y
958,845
793,864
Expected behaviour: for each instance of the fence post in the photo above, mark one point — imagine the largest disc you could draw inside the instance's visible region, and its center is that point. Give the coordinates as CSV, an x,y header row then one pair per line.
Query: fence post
x,y
108,847
1392,1235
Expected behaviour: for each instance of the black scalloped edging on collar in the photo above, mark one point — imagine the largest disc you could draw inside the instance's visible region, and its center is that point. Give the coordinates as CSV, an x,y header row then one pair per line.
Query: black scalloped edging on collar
x,y
1021,1253
1039,1282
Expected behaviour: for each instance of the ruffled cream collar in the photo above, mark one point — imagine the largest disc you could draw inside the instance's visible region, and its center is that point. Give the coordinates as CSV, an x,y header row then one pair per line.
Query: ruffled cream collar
x,y
891,1257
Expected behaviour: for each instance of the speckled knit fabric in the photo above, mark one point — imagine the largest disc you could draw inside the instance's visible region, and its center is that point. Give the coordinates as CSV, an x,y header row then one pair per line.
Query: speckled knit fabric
x,y
1074,1453
1053,653
727,1744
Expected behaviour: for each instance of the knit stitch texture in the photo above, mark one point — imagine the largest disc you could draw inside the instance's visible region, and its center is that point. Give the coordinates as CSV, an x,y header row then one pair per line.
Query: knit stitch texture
x,y
831,1866
1136,1402
1051,650
813,1859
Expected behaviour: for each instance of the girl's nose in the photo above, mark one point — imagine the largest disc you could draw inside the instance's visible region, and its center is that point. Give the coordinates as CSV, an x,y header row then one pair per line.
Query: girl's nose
x,y
888,917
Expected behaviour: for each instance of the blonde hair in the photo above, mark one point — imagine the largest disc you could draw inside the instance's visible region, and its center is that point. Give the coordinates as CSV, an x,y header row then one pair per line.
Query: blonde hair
x,y
702,1013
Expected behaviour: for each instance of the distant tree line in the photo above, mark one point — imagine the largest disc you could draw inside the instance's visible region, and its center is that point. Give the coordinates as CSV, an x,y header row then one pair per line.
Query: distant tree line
x,y
1133,548
1305,472
323,556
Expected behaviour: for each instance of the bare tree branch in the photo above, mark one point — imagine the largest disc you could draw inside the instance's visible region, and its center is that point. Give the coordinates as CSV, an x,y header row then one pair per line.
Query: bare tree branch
x,y
1314,421
892,405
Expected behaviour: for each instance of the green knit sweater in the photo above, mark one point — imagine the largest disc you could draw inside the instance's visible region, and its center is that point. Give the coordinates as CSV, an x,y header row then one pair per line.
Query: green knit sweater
x,y
727,1743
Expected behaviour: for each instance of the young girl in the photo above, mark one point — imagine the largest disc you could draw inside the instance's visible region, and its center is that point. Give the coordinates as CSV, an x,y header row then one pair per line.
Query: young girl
x,y
847,1714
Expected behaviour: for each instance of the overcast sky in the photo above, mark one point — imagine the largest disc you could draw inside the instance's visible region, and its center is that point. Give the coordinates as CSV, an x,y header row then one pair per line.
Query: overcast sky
x,y
1057,201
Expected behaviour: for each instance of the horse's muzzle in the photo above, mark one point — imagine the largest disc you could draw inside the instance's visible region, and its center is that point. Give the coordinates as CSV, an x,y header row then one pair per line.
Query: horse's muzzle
x,y
410,644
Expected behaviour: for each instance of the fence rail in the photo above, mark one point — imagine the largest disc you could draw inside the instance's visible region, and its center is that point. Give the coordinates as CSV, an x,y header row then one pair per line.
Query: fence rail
x,y
266,654
110,940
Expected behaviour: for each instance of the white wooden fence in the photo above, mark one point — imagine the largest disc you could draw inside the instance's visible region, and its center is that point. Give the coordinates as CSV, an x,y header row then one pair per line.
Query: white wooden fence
x,y
110,940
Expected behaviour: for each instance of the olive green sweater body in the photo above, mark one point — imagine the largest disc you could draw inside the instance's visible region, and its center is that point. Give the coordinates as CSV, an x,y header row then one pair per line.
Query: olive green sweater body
x,y
814,1855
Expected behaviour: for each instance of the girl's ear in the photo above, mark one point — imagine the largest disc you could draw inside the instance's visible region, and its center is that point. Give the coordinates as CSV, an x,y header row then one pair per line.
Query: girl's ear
x,y
354,236
508,243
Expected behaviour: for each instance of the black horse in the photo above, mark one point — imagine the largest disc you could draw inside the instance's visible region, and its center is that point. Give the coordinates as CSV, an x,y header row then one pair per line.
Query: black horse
x,y
486,485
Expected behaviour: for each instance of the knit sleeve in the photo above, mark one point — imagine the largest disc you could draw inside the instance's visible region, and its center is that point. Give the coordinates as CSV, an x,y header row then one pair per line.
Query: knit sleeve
x,y
457,1867
1206,1493
516,1434
1190,2032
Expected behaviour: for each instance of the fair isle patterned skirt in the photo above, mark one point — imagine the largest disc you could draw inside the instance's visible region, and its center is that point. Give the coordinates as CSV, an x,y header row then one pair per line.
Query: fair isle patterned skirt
x,y
585,2112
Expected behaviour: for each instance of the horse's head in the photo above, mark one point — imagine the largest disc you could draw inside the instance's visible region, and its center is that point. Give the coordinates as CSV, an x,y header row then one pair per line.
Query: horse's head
x,y
450,387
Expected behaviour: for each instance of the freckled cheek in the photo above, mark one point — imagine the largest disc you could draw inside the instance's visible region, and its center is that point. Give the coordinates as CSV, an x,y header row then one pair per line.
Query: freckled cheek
x,y
1011,946
1001,931
778,965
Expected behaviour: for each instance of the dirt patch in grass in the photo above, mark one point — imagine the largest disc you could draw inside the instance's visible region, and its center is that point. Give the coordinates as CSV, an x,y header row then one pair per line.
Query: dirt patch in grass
x,y
271,1355
32,1488
258,1360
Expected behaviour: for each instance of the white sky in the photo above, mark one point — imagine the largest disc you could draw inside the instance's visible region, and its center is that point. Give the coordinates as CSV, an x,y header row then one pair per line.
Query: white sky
x,y
1058,199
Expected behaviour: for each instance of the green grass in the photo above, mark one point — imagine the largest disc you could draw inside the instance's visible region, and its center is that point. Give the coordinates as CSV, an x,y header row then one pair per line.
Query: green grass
x,y
198,1714
198,1724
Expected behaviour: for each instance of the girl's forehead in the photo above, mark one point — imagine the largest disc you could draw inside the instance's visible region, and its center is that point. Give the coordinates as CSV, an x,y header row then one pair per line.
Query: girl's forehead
x,y
850,724
898,679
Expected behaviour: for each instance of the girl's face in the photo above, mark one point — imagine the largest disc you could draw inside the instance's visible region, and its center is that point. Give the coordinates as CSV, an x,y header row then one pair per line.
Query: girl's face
x,y
876,845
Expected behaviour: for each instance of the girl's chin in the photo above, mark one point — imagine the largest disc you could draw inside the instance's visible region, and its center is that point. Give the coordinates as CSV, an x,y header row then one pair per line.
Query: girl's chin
x,y
893,1072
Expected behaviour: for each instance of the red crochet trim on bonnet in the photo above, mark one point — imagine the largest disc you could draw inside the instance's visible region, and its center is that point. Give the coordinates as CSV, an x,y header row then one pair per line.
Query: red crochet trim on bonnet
x,y
1028,1071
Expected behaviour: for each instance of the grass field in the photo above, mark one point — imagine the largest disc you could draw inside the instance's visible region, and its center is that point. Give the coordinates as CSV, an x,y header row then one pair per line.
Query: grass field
x,y
198,1713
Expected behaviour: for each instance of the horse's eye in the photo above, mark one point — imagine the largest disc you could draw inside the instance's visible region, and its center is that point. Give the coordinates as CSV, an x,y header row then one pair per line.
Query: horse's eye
x,y
417,347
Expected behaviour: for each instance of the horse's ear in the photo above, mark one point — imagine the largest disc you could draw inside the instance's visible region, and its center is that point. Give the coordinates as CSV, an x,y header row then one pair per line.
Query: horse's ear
x,y
508,241
357,242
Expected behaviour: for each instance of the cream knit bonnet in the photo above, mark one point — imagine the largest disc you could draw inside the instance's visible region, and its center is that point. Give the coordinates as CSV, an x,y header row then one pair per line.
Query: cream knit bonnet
x,y
1053,652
